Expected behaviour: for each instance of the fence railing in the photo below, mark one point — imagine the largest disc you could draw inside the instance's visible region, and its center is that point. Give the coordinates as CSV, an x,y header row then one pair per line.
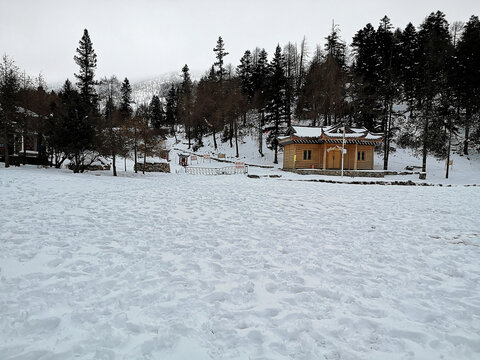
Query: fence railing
x,y
228,170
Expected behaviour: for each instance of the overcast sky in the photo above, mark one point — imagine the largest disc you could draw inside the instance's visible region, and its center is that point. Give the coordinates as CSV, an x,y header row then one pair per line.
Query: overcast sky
x,y
141,39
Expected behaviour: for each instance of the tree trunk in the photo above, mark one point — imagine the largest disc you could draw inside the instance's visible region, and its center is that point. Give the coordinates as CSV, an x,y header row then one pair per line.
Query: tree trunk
x,y
468,115
5,146
386,147
425,137
114,164
189,135
236,140
76,166
144,161
449,146
230,134
135,150
275,142
24,160
260,135
214,139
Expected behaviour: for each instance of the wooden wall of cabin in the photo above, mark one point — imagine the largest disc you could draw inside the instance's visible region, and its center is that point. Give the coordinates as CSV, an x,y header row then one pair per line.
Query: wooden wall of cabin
x,y
289,151
350,156
317,156
366,164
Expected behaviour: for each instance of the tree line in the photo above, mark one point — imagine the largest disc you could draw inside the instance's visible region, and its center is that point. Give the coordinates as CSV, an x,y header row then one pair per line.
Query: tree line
x,y
82,121
417,86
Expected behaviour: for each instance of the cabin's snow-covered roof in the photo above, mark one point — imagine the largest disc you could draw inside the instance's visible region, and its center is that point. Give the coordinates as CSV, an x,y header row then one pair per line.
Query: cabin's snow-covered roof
x,y
347,135
303,131
371,136
333,132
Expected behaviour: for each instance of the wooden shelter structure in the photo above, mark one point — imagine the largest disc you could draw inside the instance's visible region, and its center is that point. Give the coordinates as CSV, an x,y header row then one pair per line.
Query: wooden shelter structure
x,y
321,148
183,159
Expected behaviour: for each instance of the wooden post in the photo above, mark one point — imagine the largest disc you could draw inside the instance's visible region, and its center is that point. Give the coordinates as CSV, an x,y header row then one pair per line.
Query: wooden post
x,y
324,156
355,157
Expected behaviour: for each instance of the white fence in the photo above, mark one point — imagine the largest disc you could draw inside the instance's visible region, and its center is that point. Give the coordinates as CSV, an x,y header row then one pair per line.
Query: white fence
x,y
228,170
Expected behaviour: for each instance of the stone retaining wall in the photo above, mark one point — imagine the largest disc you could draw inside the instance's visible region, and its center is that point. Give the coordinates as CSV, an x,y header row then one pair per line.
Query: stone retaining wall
x,y
351,173
153,167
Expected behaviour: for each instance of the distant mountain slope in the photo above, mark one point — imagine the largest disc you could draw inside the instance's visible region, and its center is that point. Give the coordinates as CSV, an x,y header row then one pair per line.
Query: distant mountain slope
x,y
142,91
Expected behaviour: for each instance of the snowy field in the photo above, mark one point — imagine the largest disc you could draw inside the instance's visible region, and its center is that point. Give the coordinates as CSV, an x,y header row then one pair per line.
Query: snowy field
x,y
167,266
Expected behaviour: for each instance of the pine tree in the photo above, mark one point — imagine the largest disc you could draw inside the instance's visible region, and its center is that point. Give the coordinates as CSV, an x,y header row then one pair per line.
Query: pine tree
x,y
245,74
156,112
220,54
365,78
260,77
435,53
291,68
468,79
171,109
408,53
75,134
388,84
277,84
335,47
9,97
126,109
86,59
185,103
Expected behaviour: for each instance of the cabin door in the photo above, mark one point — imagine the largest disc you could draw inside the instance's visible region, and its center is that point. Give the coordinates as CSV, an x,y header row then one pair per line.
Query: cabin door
x,y
334,160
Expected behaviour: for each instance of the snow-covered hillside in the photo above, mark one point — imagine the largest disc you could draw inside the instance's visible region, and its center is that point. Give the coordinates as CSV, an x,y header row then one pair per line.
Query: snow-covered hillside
x,y
142,91
172,266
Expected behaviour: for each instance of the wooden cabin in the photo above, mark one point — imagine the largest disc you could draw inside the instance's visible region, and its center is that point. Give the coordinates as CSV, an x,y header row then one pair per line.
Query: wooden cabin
x,y
24,147
321,148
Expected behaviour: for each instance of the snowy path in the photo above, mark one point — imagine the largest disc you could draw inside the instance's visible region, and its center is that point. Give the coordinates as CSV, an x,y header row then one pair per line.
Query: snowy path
x,y
190,267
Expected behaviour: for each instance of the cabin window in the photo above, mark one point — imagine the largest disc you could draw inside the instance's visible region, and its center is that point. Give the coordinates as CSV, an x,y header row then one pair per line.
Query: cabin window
x,y
307,154
361,155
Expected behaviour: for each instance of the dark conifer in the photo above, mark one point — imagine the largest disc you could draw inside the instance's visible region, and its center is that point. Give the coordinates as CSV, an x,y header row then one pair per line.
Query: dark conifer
x,y
220,54
126,109
468,80
156,112
277,83
86,59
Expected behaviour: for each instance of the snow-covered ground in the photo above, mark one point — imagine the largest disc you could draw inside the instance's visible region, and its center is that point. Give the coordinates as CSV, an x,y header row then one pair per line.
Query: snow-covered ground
x,y
176,266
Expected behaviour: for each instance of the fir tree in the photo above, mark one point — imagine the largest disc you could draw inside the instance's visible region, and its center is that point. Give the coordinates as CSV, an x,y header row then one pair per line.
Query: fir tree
x,y
276,98
86,59
408,52
245,74
260,77
156,112
220,54
335,47
9,97
387,54
126,110
467,79
75,134
435,52
171,109
365,78
185,103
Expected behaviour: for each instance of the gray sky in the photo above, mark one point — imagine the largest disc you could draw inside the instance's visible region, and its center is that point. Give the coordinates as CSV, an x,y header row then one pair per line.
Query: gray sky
x,y
144,38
